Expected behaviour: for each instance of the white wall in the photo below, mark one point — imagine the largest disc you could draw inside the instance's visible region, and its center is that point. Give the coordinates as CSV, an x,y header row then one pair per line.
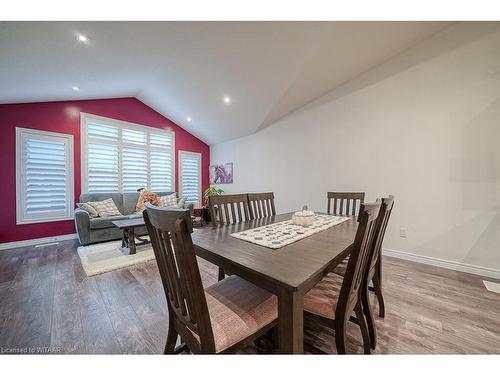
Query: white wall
x,y
424,126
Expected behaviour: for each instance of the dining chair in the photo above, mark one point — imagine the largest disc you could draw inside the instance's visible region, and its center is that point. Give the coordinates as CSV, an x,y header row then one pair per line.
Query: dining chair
x,y
229,209
334,299
261,205
353,201
376,268
222,318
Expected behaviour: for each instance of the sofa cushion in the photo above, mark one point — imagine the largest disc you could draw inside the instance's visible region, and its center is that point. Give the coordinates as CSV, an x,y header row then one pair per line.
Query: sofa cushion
x,y
106,208
168,200
105,222
96,197
88,208
130,201
146,196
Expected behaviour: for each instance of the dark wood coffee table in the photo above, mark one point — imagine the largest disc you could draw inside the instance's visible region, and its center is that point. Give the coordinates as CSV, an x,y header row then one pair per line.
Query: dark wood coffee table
x,y
129,236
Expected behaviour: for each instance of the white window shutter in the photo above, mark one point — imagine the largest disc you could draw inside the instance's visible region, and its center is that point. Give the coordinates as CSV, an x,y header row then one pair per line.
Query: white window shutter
x,y
44,176
135,169
190,175
124,157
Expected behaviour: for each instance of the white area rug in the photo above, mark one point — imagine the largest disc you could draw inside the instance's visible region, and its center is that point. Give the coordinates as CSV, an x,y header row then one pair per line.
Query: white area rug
x,y
283,233
109,256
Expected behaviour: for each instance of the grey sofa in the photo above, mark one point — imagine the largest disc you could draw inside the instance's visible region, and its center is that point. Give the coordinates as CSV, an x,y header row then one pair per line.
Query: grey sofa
x,y
102,229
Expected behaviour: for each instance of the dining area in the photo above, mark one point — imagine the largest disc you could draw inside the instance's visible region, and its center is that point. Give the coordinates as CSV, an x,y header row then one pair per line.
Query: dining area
x,y
277,273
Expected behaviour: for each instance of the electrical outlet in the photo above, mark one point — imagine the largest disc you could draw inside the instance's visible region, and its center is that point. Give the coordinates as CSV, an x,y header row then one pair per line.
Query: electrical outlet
x,y
403,232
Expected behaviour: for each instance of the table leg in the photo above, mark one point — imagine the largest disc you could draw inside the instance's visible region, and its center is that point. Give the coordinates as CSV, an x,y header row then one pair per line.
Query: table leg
x,y
131,241
125,239
290,322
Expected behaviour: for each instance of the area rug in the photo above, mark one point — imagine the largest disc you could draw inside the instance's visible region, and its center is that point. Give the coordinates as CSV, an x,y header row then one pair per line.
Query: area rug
x,y
110,256
283,233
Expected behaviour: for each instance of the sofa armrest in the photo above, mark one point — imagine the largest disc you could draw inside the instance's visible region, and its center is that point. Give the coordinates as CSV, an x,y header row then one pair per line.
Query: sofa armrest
x,y
82,224
190,207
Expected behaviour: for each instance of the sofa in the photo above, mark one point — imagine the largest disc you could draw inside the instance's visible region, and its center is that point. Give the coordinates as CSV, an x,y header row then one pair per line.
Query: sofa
x,y
101,229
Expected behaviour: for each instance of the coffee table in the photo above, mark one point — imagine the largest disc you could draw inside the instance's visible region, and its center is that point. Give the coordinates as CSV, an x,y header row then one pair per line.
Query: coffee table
x,y
129,236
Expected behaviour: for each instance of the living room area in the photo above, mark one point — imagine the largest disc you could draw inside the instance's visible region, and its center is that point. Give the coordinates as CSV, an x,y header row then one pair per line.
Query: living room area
x,y
305,185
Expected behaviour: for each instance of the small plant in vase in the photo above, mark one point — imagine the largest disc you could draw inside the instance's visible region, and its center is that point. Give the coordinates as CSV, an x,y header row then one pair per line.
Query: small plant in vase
x,y
210,192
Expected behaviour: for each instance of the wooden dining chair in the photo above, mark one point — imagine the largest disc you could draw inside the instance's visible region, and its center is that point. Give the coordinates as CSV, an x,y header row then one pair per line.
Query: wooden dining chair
x,y
352,200
229,209
376,269
223,318
261,205
334,299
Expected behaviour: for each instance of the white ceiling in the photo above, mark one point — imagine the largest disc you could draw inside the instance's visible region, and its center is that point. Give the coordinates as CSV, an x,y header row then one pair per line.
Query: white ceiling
x,y
182,69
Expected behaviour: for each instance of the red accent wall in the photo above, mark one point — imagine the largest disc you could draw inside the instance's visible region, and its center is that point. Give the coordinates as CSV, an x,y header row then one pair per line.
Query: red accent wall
x,y
64,117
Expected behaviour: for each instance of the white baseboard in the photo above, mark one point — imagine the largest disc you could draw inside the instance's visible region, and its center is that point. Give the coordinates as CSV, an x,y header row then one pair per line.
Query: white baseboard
x,y
450,264
37,241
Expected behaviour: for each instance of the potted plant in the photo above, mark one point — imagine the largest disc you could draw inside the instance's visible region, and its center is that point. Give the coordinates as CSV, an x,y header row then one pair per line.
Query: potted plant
x,y
210,192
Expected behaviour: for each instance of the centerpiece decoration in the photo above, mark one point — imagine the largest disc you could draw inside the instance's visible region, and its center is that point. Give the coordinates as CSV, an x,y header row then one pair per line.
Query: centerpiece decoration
x,y
304,218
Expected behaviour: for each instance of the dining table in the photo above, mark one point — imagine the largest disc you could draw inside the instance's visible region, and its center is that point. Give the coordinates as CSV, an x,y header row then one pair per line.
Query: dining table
x,y
288,272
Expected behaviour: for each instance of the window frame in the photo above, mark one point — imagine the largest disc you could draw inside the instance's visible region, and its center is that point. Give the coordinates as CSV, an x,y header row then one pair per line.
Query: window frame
x,y
199,156
86,117
21,216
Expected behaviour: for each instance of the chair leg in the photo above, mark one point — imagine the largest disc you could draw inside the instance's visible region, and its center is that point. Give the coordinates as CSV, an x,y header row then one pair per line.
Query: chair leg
x,y
171,337
378,293
222,275
364,329
340,327
370,322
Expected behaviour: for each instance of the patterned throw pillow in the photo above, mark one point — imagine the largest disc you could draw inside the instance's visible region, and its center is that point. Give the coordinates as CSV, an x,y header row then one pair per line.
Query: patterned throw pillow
x,y
90,210
168,200
146,196
105,208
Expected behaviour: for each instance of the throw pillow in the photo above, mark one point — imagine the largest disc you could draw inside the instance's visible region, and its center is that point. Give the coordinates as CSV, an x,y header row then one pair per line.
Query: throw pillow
x,y
105,208
146,196
168,200
87,207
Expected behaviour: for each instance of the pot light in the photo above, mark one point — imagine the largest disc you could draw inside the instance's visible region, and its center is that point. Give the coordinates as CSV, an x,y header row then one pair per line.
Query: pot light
x,y
82,38
76,88
189,119
227,99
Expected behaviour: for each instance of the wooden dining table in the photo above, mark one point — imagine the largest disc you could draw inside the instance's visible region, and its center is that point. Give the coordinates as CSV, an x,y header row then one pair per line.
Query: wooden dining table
x,y
288,272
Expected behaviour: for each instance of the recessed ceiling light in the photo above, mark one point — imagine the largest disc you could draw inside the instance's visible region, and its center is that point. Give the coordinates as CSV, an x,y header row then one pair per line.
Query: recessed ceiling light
x,y
189,119
82,38
227,99
76,88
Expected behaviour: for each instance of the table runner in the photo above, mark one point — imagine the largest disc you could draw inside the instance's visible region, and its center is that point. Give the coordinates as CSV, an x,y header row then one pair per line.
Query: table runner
x,y
283,233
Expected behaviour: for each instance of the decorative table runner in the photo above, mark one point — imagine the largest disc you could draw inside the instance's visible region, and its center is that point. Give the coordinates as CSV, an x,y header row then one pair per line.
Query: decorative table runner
x,y
277,235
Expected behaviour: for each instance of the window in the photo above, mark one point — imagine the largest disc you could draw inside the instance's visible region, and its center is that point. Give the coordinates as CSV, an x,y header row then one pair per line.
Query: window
x,y
120,156
190,172
44,176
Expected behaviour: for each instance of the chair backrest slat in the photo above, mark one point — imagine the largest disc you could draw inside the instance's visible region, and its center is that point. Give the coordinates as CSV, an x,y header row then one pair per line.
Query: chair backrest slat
x,y
226,209
353,201
170,232
358,260
261,205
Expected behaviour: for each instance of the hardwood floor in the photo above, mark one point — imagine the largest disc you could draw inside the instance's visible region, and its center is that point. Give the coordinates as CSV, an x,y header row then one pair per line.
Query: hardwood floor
x,y
47,302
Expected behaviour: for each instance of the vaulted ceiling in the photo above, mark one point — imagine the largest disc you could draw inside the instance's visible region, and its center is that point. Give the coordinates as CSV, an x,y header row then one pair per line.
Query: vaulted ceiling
x,y
184,69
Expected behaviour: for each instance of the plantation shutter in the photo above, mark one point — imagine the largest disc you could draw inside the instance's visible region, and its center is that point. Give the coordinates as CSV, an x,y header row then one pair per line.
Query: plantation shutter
x,y
103,158
45,176
190,171
123,157
161,162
